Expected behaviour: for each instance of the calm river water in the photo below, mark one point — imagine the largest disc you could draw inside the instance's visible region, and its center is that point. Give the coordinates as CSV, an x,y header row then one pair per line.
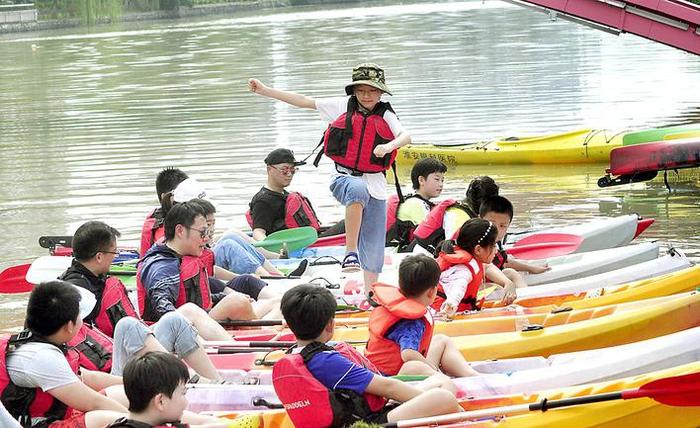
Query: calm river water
x,y
89,117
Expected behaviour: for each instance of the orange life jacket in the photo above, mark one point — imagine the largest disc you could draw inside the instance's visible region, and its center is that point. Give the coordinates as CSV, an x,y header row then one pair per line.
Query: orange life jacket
x,y
394,307
461,257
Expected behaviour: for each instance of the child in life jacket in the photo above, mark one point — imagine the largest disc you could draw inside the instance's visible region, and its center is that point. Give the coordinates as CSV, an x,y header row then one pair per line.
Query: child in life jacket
x,y
362,139
427,177
465,265
499,211
401,339
155,385
445,219
323,386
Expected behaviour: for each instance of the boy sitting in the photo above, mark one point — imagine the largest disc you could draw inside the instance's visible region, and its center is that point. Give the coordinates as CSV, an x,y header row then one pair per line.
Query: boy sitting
x,y
40,382
324,386
401,337
427,177
155,386
499,211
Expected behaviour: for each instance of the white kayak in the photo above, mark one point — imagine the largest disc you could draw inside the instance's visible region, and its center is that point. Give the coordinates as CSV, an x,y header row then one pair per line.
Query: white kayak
x,y
672,261
498,377
580,265
597,234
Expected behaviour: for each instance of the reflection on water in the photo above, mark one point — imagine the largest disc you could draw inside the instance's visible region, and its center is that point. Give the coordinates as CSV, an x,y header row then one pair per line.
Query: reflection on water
x,y
89,117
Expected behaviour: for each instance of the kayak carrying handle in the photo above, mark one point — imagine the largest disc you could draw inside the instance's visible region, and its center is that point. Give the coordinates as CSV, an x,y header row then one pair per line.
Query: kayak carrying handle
x,y
562,310
533,327
261,402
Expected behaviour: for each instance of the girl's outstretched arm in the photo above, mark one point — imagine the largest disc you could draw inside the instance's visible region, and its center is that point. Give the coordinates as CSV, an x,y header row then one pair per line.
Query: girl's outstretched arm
x,y
297,100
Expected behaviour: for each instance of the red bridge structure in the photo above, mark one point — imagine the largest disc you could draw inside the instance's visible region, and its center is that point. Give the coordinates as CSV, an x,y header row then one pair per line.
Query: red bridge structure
x,y
674,23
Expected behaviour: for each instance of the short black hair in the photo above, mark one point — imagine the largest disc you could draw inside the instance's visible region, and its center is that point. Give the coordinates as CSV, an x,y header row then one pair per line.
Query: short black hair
x,y
476,231
91,238
184,213
417,274
151,374
207,206
166,181
307,309
425,167
496,204
480,189
51,305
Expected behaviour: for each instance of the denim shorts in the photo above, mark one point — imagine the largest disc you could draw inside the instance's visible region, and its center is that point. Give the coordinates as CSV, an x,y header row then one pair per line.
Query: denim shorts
x,y
173,331
347,190
235,254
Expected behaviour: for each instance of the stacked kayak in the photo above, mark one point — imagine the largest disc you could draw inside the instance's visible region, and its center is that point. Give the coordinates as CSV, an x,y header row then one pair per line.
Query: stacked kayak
x,y
658,134
642,162
499,377
580,146
618,413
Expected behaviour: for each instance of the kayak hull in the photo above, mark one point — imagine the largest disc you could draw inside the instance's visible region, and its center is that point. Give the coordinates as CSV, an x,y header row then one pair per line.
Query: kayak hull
x,y
581,146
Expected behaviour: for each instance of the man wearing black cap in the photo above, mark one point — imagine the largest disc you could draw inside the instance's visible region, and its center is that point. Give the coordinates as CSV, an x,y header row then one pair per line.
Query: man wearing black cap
x,y
267,208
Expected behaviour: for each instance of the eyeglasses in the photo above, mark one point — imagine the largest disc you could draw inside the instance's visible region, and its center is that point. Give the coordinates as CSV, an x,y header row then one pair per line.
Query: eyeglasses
x,y
286,170
116,253
203,233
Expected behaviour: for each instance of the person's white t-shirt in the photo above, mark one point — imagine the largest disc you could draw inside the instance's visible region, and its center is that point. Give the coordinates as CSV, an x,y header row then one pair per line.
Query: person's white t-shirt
x,y
40,365
330,109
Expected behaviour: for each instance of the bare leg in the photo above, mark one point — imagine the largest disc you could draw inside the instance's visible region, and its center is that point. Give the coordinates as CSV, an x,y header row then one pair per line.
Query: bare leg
x,y
268,308
370,278
234,306
207,327
443,353
438,380
430,403
417,368
353,220
192,418
270,269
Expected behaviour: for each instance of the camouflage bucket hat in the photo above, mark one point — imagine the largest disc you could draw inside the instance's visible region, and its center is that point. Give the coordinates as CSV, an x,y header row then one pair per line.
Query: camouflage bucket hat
x,y
367,74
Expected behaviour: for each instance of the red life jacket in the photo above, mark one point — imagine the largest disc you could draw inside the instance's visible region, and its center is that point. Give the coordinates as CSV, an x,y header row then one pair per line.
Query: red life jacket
x,y
27,403
298,212
194,286
501,257
431,231
461,257
399,233
309,403
208,259
152,231
94,349
113,305
351,138
394,307
130,423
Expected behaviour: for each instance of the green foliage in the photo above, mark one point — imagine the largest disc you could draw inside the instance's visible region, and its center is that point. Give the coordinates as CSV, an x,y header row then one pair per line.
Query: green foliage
x,y
364,425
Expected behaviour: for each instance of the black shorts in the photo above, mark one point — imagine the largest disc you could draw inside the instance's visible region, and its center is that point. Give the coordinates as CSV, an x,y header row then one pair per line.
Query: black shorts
x,y
380,417
247,284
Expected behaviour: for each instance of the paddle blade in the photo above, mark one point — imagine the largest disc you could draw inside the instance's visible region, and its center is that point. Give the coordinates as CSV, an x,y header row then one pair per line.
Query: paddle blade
x,y
13,280
296,238
673,391
545,245
47,268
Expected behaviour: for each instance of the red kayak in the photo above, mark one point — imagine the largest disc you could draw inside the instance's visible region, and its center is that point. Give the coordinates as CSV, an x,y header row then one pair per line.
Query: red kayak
x,y
642,162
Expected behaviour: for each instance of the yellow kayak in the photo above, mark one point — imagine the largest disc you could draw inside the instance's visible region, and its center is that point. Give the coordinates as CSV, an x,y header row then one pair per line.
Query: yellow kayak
x,y
620,413
582,146
646,322
627,327
515,323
